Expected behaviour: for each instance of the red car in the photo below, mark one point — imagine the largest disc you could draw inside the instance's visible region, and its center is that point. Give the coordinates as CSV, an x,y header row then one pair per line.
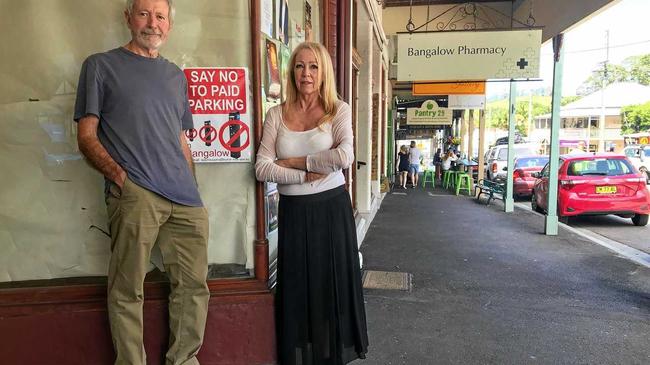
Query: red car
x,y
523,179
595,184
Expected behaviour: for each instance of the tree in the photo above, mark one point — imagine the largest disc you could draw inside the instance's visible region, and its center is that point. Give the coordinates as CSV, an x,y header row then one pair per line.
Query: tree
x,y
640,69
569,99
497,112
636,118
602,77
635,69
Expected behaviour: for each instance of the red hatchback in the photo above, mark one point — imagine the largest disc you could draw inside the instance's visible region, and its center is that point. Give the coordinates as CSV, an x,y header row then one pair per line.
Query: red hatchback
x,y
596,185
523,179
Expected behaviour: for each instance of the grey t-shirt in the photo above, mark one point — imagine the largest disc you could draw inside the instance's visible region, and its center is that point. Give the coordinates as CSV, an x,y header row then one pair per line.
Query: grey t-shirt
x,y
142,107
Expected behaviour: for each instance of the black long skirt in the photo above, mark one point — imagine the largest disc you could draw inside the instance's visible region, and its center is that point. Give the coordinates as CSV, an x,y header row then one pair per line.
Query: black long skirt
x,y
320,314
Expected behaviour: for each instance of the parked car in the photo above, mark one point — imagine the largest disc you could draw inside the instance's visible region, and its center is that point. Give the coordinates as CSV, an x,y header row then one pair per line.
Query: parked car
x,y
523,180
595,184
497,159
640,158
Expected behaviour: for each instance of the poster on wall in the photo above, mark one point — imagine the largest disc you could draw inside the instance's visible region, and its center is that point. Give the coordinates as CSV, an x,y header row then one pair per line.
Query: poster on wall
x,y
266,21
283,21
219,99
308,26
285,55
272,204
273,69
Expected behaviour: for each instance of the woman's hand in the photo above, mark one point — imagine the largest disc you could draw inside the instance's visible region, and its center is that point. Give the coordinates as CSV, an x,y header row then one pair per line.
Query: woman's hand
x,y
313,176
299,163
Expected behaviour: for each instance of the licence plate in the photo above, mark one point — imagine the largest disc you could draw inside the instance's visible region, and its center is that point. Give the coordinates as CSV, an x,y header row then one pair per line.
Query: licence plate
x,y
605,189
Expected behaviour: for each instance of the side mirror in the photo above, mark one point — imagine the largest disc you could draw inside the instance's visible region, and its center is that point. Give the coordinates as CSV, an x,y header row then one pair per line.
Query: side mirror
x,y
535,174
505,168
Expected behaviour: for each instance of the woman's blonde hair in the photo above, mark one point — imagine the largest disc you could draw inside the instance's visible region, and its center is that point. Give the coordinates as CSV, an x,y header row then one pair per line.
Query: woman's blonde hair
x,y
403,148
327,87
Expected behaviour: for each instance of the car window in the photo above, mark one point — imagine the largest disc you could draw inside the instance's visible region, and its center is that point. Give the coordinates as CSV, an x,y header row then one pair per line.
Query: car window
x,y
600,166
629,152
646,152
519,151
531,161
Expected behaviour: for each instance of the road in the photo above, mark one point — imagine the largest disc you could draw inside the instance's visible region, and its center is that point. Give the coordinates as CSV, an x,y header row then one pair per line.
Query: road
x,y
616,228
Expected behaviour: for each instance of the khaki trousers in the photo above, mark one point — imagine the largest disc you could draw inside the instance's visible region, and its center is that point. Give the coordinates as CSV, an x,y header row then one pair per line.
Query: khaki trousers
x,y
138,219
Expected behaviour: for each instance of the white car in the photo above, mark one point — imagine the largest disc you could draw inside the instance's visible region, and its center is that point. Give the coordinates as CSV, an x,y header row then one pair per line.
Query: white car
x,y
640,158
497,158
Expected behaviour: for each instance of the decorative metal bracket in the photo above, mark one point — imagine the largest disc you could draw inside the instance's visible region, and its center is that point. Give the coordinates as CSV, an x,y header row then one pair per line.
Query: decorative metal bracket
x,y
472,16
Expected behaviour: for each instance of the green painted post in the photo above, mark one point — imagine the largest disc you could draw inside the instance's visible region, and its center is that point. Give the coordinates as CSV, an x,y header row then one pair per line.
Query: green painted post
x,y
509,205
550,227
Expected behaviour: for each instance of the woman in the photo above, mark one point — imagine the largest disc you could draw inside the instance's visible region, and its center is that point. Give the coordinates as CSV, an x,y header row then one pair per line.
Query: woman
x,y
403,165
306,143
437,162
449,158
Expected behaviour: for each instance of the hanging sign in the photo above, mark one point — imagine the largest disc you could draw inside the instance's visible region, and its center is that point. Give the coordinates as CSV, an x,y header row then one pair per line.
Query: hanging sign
x,y
447,88
475,55
428,114
219,99
466,101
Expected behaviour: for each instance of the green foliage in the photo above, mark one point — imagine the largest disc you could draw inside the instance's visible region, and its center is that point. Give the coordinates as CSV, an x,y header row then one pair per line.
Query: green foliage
x,y
497,112
636,118
569,99
635,69
599,79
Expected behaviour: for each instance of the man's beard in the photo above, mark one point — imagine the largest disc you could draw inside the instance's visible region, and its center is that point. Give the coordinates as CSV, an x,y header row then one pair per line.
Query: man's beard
x,y
149,41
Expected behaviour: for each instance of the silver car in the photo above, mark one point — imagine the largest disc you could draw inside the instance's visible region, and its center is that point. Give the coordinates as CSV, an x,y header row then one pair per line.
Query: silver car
x,y
497,158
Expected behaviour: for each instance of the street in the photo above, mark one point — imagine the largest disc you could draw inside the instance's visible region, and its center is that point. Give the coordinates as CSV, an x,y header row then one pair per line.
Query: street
x,y
489,287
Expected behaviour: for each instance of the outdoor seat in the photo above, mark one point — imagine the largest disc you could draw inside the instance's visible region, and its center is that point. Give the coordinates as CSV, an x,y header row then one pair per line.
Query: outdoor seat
x,y
463,182
448,178
429,176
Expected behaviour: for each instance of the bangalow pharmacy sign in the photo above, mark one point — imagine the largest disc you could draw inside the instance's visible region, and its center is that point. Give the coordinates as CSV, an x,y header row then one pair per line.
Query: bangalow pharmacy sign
x,y
428,114
475,55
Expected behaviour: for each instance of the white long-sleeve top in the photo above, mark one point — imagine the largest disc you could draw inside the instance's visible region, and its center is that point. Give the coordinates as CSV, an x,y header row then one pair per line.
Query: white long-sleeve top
x,y
328,148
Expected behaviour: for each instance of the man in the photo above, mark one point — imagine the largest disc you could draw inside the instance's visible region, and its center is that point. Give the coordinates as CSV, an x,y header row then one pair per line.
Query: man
x,y
131,110
414,164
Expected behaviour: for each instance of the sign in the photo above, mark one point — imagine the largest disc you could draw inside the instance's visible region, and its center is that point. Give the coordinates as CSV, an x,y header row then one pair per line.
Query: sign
x,y
466,101
448,88
429,114
475,55
219,99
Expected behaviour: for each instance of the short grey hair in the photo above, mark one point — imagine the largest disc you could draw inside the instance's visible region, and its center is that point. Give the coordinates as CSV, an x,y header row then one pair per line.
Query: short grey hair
x,y
172,9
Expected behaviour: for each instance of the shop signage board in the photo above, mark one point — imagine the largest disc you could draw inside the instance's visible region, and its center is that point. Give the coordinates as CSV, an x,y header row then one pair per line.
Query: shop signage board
x,y
219,99
472,55
428,114
449,88
466,101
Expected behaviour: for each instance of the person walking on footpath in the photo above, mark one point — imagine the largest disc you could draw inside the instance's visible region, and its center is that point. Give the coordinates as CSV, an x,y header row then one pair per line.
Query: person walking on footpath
x,y
131,110
403,165
306,143
414,164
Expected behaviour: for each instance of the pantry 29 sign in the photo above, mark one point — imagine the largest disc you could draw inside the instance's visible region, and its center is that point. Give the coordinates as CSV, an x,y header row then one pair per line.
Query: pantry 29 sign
x,y
219,99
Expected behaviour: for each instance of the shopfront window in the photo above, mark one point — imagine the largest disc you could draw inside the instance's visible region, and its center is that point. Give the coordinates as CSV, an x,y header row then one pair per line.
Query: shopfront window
x,y
53,220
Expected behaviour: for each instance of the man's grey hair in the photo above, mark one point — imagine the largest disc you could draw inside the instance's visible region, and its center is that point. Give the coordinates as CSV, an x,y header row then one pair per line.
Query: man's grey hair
x,y
172,9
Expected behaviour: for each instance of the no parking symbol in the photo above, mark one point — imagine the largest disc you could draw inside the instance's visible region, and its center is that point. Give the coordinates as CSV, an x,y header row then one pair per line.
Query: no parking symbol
x,y
236,128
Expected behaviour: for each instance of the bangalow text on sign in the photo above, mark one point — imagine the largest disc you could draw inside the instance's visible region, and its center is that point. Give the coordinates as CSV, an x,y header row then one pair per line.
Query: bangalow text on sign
x,y
219,98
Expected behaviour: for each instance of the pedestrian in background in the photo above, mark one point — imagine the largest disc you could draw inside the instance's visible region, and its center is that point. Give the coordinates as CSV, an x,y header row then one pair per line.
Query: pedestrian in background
x,y
414,164
402,165
437,162
306,143
151,194
449,158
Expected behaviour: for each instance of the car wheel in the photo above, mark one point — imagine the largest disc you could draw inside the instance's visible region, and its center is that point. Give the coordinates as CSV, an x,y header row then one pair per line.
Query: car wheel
x,y
646,173
533,204
640,219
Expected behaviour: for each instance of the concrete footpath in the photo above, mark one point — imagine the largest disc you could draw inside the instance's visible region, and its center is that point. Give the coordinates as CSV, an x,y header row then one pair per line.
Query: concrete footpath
x,y
489,287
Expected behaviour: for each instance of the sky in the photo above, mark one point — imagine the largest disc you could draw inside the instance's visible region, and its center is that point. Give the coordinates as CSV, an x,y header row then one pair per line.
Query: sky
x,y
585,46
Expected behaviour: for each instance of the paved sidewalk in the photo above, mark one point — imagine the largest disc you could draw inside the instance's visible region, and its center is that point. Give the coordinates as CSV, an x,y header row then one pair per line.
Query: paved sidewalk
x,y
490,288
